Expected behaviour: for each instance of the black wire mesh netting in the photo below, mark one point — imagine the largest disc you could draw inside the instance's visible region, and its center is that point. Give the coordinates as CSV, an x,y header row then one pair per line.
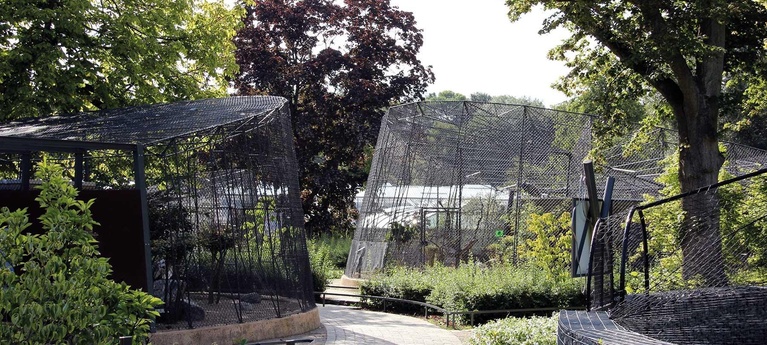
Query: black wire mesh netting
x,y
453,180
221,200
691,268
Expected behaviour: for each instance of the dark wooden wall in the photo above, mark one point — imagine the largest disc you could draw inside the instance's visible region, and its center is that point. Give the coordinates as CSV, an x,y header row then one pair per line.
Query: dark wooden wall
x,y
120,234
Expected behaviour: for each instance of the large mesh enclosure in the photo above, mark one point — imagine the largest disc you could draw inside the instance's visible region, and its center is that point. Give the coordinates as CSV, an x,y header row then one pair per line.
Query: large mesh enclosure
x,y
198,201
691,268
453,180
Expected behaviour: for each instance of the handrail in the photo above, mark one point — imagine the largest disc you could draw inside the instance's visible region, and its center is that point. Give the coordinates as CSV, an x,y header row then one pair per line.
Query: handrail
x,y
444,311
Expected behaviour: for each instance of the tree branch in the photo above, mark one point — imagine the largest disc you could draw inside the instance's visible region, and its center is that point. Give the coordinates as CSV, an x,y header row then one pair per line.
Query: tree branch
x,y
666,86
667,46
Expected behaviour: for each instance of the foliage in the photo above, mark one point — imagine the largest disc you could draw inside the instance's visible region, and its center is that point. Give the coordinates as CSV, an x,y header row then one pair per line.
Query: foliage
x,y
327,256
686,51
505,250
320,264
56,288
340,65
740,209
549,247
472,287
338,248
399,233
535,330
524,100
446,95
71,56
170,230
402,282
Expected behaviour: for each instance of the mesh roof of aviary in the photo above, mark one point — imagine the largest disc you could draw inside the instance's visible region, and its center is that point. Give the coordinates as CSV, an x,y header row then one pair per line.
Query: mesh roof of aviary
x,y
454,176
145,124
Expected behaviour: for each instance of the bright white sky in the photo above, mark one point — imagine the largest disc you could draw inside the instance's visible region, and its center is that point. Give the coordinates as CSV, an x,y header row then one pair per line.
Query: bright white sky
x,y
472,46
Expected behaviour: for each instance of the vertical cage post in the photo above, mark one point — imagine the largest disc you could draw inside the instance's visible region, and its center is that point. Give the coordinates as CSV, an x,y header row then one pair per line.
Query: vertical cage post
x,y
26,170
140,180
79,170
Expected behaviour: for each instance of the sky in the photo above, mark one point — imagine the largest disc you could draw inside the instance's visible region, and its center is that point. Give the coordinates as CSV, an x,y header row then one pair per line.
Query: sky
x,y
472,46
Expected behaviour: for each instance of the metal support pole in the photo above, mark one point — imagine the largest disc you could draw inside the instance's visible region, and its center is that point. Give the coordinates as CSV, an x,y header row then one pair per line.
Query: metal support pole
x,y
140,180
26,170
79,170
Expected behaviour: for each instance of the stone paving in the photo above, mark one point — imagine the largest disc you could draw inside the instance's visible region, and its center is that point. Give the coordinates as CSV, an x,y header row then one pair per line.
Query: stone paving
x,y
348,325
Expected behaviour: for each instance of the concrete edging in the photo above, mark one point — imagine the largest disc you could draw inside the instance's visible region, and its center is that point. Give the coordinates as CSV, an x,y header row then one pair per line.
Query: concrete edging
x,y
252,331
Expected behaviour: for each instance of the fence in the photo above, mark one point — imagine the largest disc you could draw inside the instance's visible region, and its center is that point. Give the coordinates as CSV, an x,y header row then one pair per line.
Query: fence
x,y
452,180
691,268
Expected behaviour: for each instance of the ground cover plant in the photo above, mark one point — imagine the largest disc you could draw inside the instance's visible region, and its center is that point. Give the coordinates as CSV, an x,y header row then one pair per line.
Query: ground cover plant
x,y
55,286
535,330
474,287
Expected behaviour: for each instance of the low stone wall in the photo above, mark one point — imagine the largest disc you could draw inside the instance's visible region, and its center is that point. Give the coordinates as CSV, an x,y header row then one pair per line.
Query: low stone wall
x,y
251,331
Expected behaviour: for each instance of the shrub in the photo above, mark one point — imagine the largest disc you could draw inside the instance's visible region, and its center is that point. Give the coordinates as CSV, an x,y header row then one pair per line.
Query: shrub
x,y
400,282
504,287
55,287
320,264
471,287
337,248
517,331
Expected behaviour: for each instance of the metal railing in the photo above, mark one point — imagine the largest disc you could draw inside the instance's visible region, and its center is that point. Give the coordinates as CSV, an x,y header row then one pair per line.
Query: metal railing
x,y
449,314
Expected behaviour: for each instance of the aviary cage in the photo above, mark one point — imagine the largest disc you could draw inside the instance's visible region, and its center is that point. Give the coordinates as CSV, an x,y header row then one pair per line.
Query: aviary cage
x,y
198,201
453,180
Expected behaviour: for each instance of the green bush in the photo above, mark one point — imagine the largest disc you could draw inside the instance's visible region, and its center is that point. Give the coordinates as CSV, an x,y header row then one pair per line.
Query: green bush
x,y
504,287
400,282
327,255
55,287
470,287
320,263
517,331
337,248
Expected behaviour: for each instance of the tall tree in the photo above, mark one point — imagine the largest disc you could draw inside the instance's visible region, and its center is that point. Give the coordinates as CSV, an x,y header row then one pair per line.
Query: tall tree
x,y
480,97
341,65
684,50
524,100
446,95
59,56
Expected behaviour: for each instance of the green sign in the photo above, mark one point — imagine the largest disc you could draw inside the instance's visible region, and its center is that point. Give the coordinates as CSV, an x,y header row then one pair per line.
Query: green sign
x,y
498,233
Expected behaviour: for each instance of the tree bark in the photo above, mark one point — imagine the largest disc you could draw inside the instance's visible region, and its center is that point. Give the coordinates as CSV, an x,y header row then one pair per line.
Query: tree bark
x,y
699,164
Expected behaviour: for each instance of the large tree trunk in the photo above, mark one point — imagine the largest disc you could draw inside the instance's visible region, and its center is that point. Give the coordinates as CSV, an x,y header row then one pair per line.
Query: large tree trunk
x,y
699,164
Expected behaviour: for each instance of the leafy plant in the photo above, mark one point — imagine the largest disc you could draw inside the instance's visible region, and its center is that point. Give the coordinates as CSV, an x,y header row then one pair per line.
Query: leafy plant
x,y
472,287
517,331
550,245
55,287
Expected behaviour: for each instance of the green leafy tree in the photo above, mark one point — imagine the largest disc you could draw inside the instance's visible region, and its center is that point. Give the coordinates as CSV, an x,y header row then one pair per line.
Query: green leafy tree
x,y
446,95
686,51
524,100
341,65
71,56
480,97
55,287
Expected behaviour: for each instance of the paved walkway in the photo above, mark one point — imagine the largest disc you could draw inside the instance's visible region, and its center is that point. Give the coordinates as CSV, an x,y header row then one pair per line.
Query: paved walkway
x,y
348,325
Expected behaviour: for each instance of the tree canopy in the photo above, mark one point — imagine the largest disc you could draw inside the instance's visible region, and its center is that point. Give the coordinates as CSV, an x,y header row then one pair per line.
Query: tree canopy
x,y
446,95
341,65
692,53
449,95
76,55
